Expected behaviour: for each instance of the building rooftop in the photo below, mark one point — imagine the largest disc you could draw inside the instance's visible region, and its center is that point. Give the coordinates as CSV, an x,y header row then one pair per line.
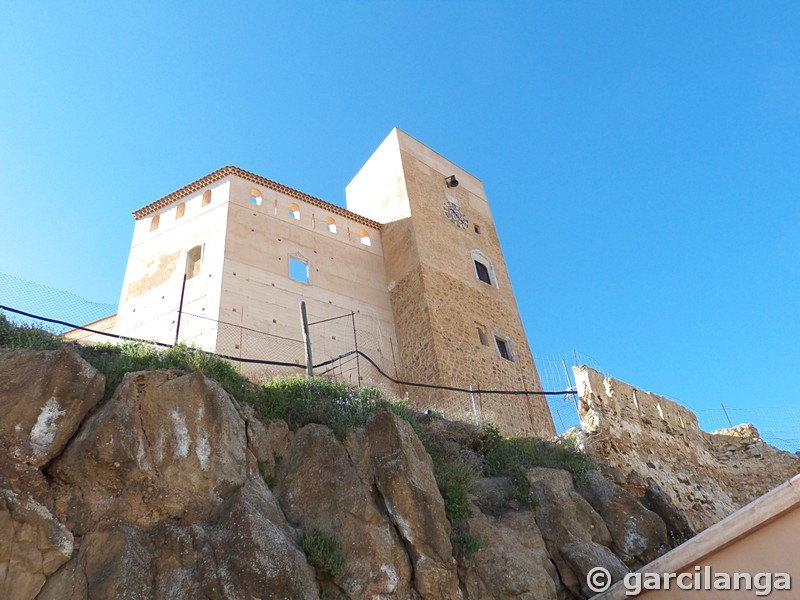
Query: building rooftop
x,y
256,179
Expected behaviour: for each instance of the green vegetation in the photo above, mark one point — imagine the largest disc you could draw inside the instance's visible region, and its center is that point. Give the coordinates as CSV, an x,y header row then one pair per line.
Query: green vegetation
x,y
115,360
455,479
465,544
300,400
510,457
324,551
14,337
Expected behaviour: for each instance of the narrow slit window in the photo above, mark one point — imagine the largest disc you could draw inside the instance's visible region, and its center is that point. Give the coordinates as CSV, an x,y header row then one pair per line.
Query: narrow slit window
x,y
256,197
330,225
365,238
154,222
294,211
206,198
194,260
181,210
298,269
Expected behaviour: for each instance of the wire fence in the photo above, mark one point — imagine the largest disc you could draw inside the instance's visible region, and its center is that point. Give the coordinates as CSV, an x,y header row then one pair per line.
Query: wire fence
x,y
350,347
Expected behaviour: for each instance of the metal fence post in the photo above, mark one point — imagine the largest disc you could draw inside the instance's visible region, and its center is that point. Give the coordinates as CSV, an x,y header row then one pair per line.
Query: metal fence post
x,y
306,339
180,310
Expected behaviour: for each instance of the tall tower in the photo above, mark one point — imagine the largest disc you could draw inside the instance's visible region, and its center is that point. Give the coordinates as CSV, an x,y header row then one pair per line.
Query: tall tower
x,y
455,313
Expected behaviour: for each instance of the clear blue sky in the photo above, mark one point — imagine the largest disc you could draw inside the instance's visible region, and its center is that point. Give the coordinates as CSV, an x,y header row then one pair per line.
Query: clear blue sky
x,y
642,159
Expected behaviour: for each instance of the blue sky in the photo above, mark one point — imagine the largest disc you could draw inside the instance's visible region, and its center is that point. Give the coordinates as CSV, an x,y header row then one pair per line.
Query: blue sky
x,y
641,159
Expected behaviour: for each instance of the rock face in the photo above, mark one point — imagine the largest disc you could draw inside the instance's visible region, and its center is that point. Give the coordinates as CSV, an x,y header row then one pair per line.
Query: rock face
x,y
513,561
655,449
46,395
318,480
160,491
33,545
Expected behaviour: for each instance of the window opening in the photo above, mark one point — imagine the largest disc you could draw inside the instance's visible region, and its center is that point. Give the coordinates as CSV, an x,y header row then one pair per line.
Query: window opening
x,y
477,228
330,224
154,222
365,238
255,197
206,197
298,269
483,272
194,259
503,348
294,211
181,210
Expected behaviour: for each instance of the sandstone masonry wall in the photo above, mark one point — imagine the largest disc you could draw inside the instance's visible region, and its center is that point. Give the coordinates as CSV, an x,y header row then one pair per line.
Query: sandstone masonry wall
x,y
648,440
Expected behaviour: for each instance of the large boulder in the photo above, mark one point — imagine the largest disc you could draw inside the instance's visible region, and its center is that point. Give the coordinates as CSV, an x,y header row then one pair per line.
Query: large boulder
x,y
319,486
576,536
44,396
166,445
402,471
512,561
33,545
639,535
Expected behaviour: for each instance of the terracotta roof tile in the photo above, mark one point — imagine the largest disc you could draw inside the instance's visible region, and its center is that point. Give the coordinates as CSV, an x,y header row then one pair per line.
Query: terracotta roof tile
x,y
258,180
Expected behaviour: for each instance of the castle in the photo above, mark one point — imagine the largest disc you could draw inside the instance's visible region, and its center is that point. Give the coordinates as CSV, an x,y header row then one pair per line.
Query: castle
x,y
412,273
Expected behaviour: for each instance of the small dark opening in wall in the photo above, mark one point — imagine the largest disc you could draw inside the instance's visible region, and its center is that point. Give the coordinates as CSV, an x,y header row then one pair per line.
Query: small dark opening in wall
x,y
483,272
502,348
477,228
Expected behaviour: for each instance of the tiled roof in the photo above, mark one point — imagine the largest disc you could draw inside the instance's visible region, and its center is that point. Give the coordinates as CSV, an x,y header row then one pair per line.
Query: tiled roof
x,y
256,179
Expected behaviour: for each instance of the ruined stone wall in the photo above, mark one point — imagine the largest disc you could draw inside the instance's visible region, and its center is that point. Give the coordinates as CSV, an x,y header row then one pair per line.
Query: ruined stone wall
x,y
648,440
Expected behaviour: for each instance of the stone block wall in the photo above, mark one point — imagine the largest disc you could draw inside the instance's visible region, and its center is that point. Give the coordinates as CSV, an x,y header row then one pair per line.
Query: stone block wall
x,y
649,440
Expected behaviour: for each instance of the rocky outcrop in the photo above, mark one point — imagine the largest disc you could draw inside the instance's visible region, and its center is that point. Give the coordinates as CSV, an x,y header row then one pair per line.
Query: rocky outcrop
x,y
513,561
317,482
655,449
576,536
33,545
46,395
164,491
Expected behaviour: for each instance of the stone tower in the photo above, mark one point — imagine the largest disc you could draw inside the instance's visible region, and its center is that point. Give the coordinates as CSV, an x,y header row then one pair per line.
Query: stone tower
x,y
455,313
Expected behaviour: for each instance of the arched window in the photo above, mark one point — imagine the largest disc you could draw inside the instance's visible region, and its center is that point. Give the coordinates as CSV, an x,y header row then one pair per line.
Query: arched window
x,y
194,260
256,197
330,224
206,198
294,211
365,238
484,270
181,210
154,222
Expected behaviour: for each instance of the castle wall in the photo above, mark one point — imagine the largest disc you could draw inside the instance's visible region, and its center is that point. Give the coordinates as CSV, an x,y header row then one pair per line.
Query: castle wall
x,y
647,439
344,276
151,290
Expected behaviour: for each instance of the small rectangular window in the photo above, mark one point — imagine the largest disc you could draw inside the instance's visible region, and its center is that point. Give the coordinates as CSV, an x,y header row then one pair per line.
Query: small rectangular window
x,y
503,349
483,272
298,270
477,228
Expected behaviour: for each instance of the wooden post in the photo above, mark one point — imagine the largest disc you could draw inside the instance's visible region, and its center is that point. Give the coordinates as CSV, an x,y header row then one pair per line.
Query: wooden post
x,y
306,339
